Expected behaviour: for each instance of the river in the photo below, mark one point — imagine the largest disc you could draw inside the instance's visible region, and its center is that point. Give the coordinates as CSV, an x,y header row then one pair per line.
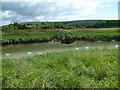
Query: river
x,y
21,50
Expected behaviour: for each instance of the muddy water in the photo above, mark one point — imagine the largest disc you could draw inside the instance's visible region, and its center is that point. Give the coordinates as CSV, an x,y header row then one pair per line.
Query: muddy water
x,y
21,50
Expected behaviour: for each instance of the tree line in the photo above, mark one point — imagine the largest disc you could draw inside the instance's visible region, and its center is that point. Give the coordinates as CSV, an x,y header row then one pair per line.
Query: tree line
x,y
106,24
49,25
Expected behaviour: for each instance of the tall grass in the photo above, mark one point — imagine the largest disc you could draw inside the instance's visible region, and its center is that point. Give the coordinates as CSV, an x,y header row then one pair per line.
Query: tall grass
x,y
72,69
61,36
28,37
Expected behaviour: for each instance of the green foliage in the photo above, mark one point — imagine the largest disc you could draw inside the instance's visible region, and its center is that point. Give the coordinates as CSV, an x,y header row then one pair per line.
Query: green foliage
x,y
11,27
62,36
70,69
58,25
14,26
28,37
107,24
63,25
46,26
42,25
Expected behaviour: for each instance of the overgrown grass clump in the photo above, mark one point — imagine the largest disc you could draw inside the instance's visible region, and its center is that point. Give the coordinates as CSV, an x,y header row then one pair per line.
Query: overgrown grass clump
x,y
71,69
95,35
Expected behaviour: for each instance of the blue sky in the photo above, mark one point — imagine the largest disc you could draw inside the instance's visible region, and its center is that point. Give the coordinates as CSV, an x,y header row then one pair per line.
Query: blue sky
x,y
107,10
57,10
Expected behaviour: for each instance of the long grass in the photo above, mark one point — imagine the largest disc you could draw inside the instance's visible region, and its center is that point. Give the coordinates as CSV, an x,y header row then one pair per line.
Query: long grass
x,y
27,37
71,69
61,36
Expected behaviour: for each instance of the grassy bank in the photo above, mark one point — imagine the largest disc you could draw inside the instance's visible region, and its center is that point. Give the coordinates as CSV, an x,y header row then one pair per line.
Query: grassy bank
x,y
72,69
68,36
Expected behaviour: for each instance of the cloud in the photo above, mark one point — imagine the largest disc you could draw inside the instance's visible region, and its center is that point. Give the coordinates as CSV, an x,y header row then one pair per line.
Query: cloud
x,y
5,23
57,0
48,9
51,10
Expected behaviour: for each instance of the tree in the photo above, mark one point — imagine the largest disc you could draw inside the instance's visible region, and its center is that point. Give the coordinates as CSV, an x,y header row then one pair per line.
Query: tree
x,y
11,26
59,25
16,24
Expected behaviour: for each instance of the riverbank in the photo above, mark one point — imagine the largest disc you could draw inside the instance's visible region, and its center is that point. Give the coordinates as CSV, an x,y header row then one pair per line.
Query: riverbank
x,y
66,36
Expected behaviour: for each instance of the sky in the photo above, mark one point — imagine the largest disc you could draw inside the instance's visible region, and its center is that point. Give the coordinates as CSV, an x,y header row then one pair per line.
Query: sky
x,y
57,10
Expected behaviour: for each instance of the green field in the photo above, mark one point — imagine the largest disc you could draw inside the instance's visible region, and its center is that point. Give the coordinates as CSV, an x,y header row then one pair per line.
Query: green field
x,y
92,68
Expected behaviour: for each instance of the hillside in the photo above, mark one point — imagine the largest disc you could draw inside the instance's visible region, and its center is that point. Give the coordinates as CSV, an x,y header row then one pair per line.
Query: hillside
x,y
80,22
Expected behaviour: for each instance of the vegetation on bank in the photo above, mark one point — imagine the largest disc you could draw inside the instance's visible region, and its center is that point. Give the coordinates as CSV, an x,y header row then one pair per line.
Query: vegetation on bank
x,y
63,36
72,69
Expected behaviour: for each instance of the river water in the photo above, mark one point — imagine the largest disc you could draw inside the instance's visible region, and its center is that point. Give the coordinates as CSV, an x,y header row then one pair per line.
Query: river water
x,y
22,50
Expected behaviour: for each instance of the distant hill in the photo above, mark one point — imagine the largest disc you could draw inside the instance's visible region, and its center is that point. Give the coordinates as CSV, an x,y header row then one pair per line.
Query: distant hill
x,y
83,22
80,22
